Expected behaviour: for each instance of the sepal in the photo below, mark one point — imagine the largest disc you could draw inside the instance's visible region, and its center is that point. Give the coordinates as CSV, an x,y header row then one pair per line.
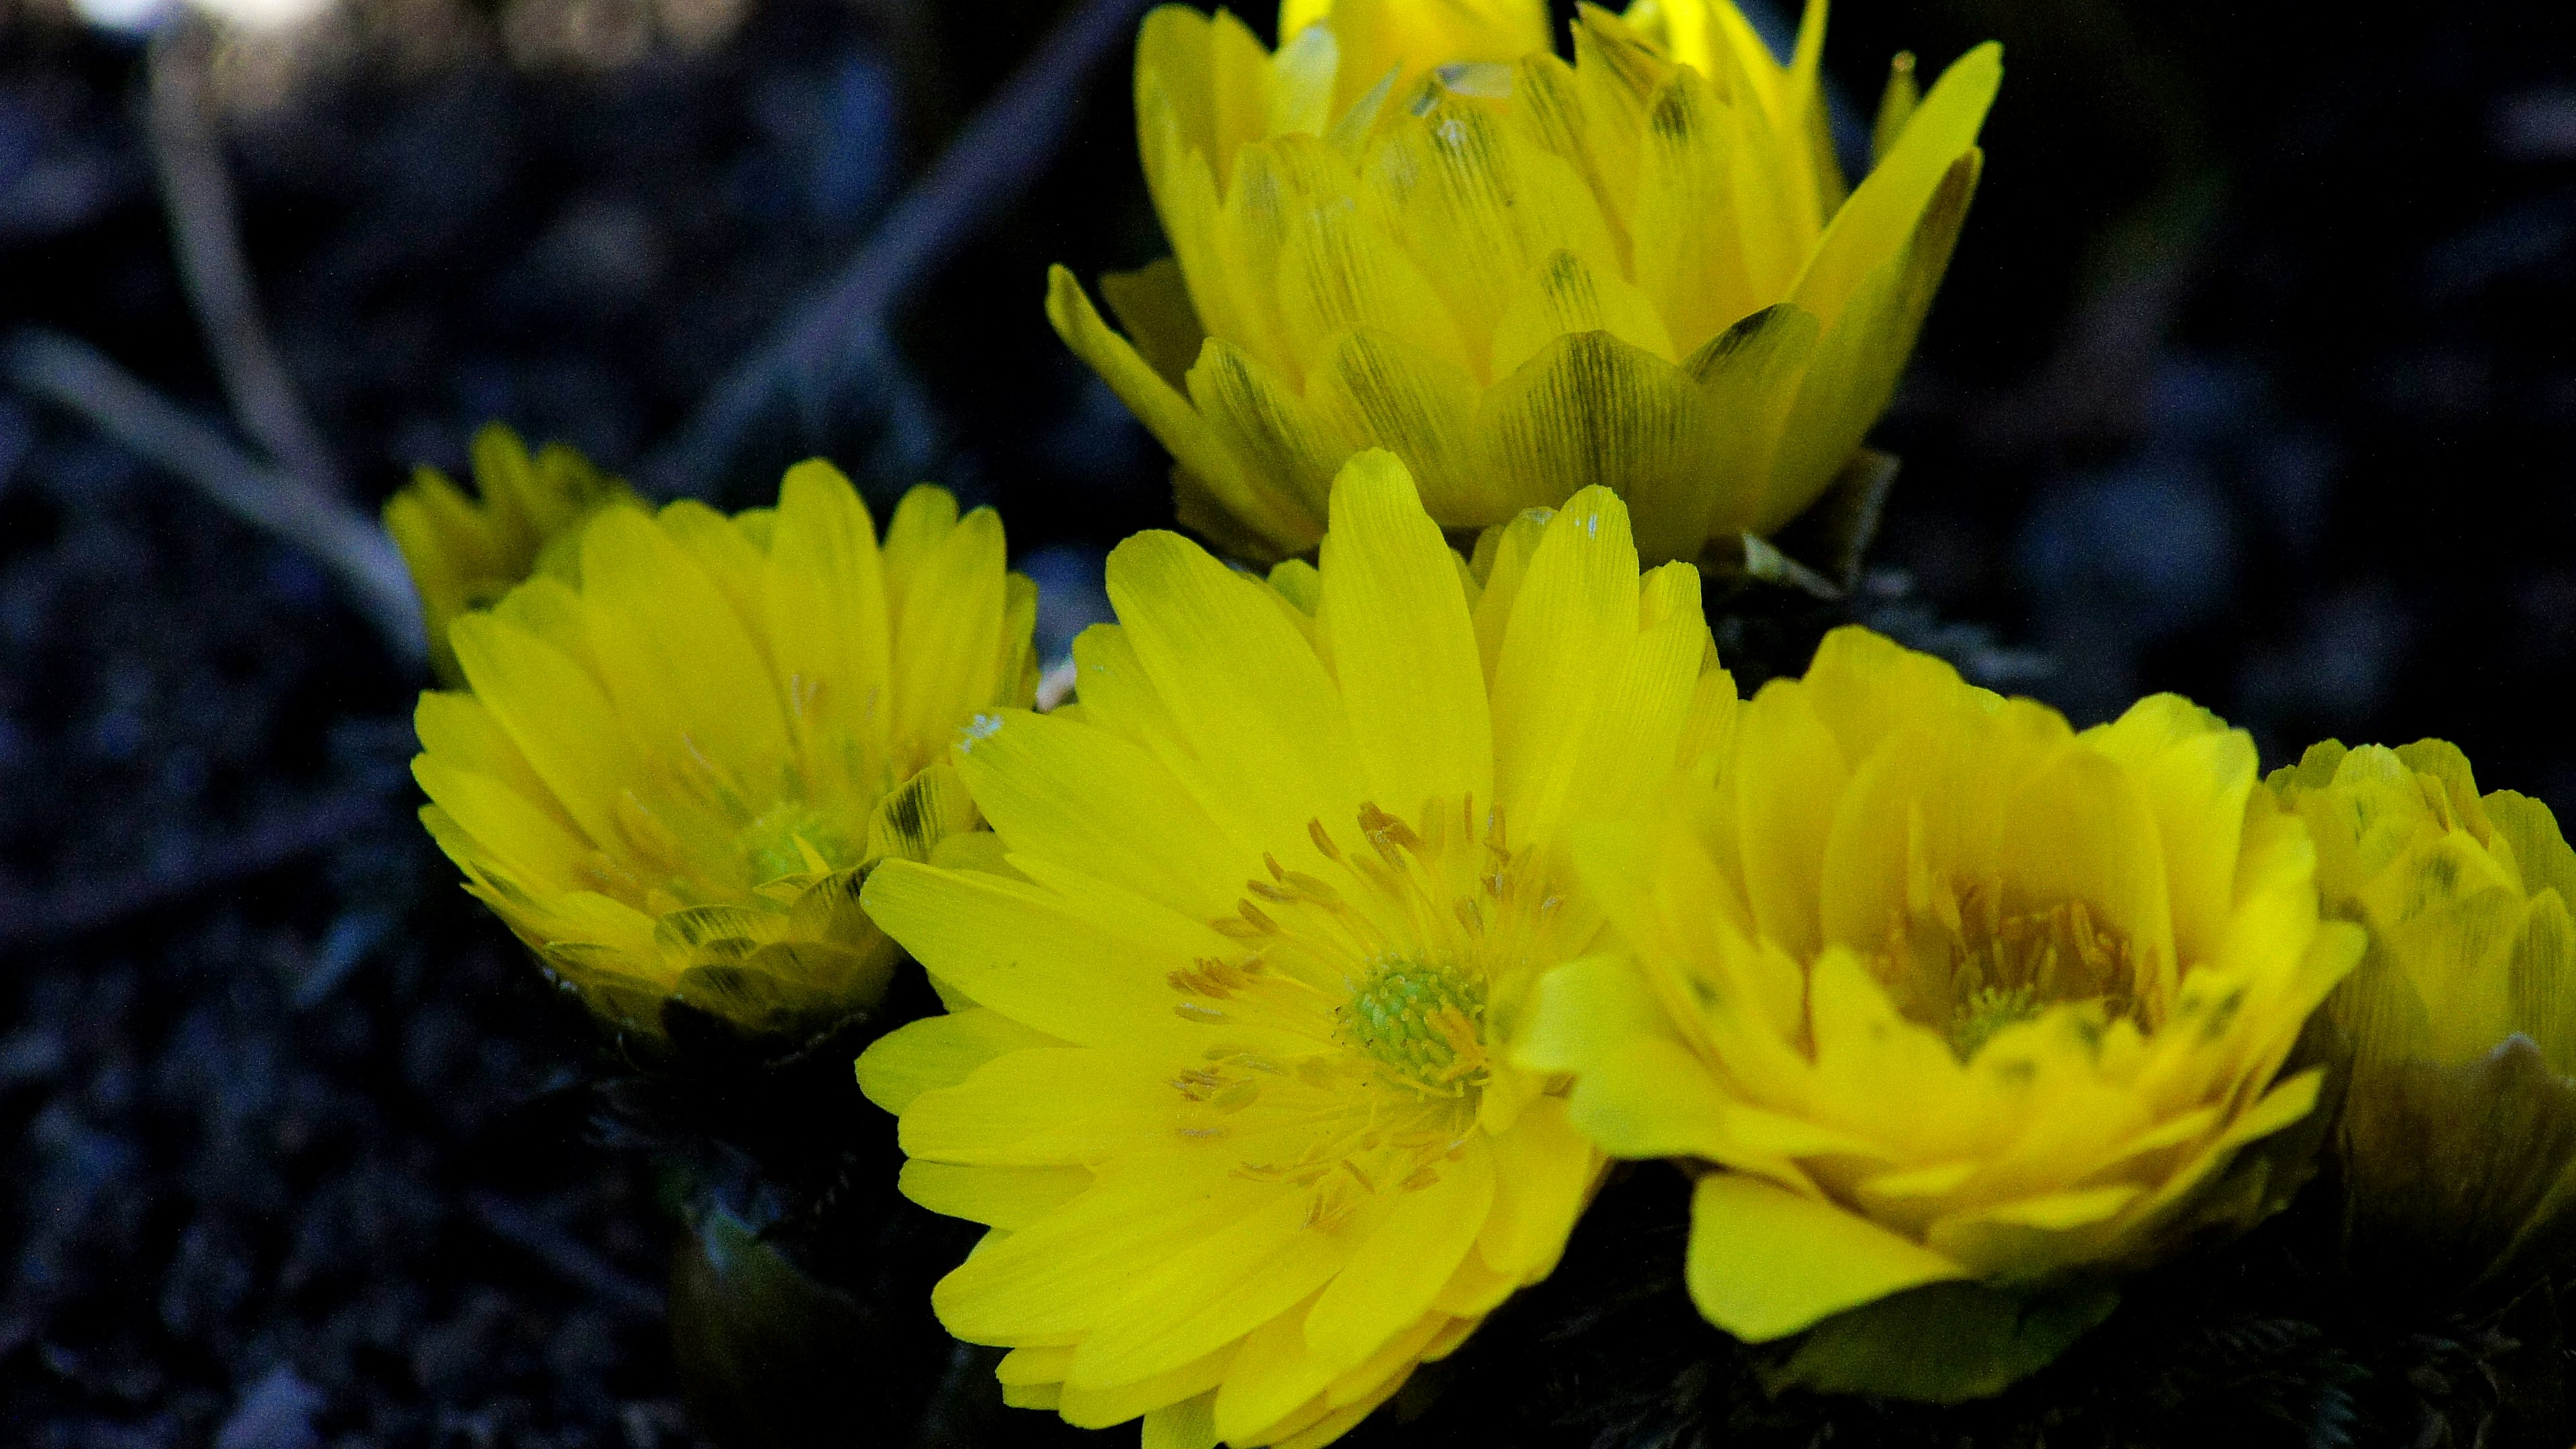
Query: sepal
x,y
1943,1343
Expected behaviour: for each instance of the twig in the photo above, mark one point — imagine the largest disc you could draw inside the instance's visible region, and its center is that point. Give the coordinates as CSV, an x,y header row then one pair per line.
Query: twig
x,y
989,161
205,230
76,376
256,850
571,1259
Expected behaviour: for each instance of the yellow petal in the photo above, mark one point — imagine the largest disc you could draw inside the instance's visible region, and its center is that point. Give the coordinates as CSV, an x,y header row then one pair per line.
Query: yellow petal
x,y
1765,1262
557,715
1172,419
1887,207
1269,738
944,583
1786,764
1690,228
1588,410
938,1051
1405,38
1496,207
1403,645
826,604
1399,1269
1000,1197
1190,1424
1266,427
1563,293
1544,1171
1019,950
1338,268
2198,774
1208,1293
1423,410
1153,305
1049,1280
1042,1107
664,639
1865,347
1070,791
1749,377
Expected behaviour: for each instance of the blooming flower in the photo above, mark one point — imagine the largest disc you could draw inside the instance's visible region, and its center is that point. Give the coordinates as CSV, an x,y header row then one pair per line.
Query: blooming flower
x,y
466,554
1232,1089
671,776
1935,989
1524,277
2458,1140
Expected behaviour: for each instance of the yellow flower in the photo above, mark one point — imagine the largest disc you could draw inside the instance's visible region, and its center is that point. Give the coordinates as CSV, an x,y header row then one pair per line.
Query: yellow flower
x,y
2459,1131
1639,271
465,555
1264,911
1938,990
670,777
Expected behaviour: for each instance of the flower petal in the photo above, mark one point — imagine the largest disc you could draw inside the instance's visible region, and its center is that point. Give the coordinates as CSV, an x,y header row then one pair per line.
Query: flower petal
x,y
1766,1262
1403,645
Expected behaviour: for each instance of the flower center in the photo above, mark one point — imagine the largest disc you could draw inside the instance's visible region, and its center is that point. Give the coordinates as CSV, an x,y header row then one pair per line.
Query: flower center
x,y
1970,970
790,838
1423,1021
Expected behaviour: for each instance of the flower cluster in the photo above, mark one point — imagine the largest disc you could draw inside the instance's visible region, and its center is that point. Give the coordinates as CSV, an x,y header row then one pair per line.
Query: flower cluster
x,y
1307,972
1413,227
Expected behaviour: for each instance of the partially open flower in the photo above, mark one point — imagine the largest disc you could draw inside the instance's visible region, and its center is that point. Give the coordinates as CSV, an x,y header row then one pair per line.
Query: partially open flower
x,y
2458,1141
465,554
1933,989
671,777
1414,228
1233,1088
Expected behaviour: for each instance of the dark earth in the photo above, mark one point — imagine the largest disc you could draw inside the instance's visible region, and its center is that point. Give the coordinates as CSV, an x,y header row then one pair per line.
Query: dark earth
x,y
2252,380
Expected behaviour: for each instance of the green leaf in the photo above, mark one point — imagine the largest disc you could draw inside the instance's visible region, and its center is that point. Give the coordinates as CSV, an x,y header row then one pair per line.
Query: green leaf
x,y
1944,1343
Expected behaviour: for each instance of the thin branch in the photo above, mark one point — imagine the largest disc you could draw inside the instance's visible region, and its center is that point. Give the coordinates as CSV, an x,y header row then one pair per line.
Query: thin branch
x,y
990,161
571,1259
77,377
205,230
208,865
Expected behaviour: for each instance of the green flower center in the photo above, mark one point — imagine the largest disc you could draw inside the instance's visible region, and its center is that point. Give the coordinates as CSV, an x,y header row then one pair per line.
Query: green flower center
x,y
1423,1021
1974,971
1988,1010
770,848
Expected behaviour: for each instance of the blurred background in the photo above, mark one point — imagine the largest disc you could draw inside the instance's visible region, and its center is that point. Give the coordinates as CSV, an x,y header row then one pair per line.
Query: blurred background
x,y
2252,379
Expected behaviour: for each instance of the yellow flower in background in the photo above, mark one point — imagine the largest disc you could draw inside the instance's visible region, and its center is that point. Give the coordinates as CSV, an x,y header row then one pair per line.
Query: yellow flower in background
x,y
1227,1072
671,775
1354,46
1639,271
1937,990
2459,1130
465,554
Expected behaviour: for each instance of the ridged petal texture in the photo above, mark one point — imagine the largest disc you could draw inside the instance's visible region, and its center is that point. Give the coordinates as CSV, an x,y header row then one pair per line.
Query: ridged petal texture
x,y
2459,1130
1415,228
464,552
1226,1070
1929,988
679,754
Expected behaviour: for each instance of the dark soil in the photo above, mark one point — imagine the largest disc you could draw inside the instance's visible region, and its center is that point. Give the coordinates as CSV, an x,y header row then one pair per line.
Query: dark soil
x,y
2252,380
